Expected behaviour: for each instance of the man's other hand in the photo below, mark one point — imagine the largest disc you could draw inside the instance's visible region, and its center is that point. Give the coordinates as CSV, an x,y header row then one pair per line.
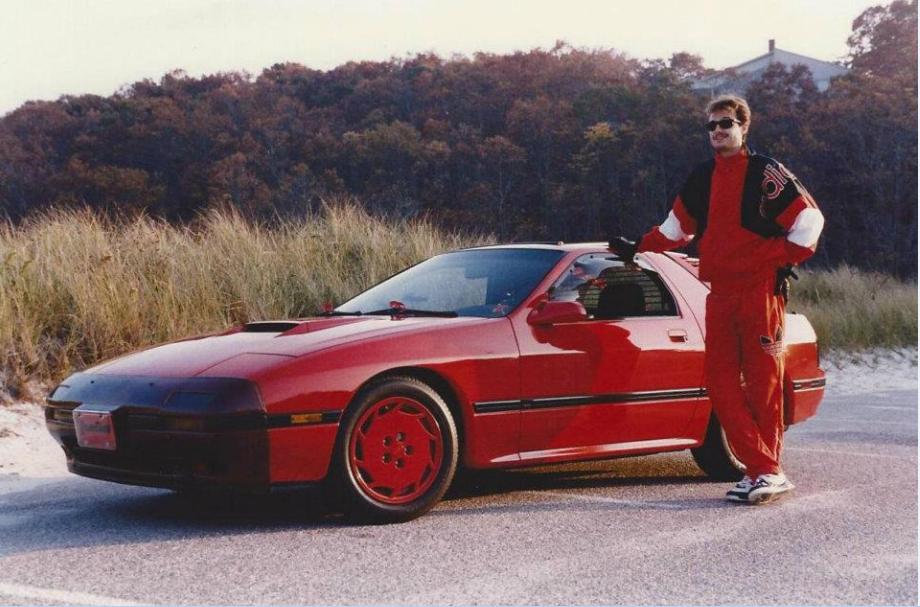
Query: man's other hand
x,y
624,248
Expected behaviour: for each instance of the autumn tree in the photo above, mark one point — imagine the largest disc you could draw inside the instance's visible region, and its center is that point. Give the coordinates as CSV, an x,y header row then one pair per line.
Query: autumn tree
x,y
559,143
884,41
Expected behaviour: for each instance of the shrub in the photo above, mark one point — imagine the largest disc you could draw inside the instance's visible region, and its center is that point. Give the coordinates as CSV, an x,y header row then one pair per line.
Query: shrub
x,y
77,287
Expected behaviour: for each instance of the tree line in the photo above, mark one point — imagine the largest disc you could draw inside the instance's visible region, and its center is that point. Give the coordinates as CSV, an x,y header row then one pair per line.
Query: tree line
x,y
557,144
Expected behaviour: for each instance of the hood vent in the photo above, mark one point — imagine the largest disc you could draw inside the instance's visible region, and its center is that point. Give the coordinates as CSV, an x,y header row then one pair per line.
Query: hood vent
x,y
271,326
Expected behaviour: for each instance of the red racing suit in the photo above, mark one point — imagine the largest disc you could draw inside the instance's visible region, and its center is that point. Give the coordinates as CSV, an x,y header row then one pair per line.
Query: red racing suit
x,y
750,216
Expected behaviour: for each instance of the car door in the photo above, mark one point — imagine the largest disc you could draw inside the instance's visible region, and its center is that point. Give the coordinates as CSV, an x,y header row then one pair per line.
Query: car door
x,y
626,380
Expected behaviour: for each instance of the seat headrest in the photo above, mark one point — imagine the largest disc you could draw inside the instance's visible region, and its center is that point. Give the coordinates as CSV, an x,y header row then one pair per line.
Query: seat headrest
x,y
621,299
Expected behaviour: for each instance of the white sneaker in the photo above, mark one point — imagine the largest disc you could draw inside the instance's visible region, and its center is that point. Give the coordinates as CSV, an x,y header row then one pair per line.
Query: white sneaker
x,y
768,487
739,493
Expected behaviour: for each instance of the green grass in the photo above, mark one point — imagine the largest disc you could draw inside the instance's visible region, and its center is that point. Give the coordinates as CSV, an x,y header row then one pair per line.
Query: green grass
x,y
855,310
77,287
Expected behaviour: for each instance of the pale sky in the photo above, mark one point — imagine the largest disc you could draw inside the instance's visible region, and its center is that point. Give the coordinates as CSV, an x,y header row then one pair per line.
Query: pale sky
x,y
53,47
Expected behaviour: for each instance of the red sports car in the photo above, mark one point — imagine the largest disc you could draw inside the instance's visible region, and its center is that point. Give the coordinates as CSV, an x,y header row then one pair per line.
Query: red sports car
x,y
492,357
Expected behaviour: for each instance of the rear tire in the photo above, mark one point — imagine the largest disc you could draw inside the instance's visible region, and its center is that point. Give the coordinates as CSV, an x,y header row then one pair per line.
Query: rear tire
x,y
715,455
396,453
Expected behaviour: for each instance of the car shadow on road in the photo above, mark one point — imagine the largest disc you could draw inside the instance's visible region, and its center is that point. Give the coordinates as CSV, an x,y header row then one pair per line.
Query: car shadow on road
x,y
81,512
665,469
587,487
481,484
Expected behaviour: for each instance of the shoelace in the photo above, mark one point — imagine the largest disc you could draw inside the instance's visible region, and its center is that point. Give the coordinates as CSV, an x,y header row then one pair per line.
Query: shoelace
x,y
762,482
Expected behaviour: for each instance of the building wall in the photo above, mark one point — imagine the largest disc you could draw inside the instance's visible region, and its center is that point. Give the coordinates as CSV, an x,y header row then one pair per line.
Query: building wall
x,y
822,72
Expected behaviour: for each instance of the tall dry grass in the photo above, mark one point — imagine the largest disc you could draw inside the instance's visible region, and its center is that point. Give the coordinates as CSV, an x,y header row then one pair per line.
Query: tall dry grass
x,y
77,287
852,309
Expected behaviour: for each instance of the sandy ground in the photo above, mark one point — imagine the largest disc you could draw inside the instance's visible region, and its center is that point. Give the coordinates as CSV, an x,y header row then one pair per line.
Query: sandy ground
x,y
870,371
29,456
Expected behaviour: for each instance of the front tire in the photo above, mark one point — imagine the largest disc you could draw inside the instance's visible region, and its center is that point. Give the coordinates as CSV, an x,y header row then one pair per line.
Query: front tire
x,y
396,453
715,455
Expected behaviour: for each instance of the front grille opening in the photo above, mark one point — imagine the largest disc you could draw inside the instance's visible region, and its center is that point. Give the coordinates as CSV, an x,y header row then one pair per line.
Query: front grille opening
x,y
171,465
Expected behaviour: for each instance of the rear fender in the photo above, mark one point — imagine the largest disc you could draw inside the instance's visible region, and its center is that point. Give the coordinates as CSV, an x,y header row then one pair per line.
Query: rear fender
x,y
803,380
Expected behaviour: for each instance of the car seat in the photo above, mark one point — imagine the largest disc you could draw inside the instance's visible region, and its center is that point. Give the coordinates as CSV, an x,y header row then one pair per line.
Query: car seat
x,y
619,300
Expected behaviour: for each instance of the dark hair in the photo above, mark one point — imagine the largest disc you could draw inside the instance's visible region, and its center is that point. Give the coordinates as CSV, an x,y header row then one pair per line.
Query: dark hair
x,y
731,102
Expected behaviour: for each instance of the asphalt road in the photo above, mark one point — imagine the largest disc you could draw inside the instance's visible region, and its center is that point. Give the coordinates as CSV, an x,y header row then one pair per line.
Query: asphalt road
x,y
633,531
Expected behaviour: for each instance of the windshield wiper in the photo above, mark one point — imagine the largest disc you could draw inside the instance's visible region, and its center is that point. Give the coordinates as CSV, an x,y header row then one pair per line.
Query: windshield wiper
x,y
414,312
338,313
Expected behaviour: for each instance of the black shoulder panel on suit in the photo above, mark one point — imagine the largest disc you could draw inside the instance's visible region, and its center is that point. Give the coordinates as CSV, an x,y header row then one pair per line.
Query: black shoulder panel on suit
x,y
768,190
695,194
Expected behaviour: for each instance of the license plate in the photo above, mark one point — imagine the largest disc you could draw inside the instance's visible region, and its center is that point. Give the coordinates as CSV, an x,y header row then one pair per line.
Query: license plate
x,y
94,430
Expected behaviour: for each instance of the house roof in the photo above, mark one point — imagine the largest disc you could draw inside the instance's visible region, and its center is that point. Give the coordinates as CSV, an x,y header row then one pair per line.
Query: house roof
x,y
821,70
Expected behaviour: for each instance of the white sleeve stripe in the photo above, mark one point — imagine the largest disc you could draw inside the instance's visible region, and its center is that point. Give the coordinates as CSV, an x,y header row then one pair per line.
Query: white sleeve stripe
x,y
672,230
807,228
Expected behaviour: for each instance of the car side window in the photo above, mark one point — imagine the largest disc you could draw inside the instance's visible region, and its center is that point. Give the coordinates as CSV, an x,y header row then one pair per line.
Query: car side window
x,y
610,289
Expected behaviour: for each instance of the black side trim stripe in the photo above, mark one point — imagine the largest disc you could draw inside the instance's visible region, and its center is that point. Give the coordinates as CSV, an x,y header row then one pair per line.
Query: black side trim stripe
x,y
217,423
331,417
498,406
577,401
807,384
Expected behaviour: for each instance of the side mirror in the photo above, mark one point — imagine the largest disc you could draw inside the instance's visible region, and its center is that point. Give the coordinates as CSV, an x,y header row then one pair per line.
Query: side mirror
x,y
554,312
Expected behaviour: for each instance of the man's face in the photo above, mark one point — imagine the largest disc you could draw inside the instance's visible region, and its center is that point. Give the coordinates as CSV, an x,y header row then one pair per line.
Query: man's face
x,y
726,141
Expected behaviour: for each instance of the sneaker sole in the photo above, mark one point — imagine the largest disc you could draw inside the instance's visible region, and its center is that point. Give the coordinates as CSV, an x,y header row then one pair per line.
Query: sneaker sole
x,y
738,499
763,498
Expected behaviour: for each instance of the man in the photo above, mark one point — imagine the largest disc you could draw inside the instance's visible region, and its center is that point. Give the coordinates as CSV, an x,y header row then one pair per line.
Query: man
x,y
753,221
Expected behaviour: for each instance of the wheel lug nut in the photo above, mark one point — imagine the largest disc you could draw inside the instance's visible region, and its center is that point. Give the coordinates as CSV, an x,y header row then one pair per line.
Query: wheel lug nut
x,y
408,450
386,458
386,441
400,436
399,463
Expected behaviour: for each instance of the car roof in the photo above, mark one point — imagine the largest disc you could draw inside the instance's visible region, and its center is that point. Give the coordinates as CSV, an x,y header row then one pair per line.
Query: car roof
x,y
576,247
551,246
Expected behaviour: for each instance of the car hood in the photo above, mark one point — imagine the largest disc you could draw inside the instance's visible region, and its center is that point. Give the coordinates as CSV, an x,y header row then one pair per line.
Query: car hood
x,y
283,339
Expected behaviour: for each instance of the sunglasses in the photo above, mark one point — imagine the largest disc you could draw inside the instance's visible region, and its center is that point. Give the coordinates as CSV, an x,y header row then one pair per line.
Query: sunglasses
x,y
724,124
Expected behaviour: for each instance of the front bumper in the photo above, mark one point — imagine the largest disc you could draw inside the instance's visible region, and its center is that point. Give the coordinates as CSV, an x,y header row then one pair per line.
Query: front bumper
x,y
170,432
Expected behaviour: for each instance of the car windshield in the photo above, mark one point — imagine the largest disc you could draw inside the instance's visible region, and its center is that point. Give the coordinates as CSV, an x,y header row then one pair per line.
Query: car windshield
x,y
482,282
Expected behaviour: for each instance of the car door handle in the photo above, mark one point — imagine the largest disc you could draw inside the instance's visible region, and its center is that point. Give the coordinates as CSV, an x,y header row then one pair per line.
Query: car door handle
x,y
677,335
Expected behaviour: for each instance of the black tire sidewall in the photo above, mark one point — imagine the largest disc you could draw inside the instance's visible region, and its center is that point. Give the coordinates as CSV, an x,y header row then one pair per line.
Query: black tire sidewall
x,y
715,457
729,453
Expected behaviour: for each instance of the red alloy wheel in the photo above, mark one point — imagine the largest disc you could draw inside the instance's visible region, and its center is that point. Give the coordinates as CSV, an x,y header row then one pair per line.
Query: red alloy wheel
x,y
396,450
